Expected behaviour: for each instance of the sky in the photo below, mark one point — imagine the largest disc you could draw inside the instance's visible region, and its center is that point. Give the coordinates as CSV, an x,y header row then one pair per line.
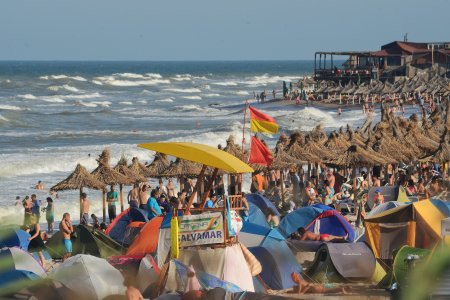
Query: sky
x,y
211,29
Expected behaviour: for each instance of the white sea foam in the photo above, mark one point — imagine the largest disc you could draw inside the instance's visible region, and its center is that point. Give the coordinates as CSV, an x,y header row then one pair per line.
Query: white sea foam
x,y
225,83
83,96
142,101
86,104
265,79
66,87
184,77
9,107
130,83
190,90
153,75
211,95
3,119
167,100
27,97
129,75
146,92
243,93
62,76
126,102
52,99
192,97
94,103
97,82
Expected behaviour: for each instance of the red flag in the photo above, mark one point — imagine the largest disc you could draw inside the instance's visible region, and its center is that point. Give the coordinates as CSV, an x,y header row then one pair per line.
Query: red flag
x,y
259,154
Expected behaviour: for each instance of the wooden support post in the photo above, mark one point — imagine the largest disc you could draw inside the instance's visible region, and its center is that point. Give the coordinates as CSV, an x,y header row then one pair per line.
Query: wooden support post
x,y
81,204
197,185
210,186
104,205
282,185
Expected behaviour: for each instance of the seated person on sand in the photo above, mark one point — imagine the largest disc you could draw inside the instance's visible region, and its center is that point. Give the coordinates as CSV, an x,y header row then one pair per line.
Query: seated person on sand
x,y
304,287
304,235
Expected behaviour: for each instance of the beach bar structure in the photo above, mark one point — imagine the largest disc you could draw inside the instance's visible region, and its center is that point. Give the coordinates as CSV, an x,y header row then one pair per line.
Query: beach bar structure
x,y
392,60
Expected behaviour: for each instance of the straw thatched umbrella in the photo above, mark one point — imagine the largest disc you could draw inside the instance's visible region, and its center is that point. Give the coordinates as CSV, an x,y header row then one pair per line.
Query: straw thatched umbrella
x,y
139,168
122,168
181,168
79,179
236,150
158,165
104,173
442,153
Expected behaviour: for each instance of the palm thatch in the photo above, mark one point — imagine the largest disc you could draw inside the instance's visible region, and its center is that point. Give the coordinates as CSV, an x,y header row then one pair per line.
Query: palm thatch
x,y
79,179
122,168
182,167
282,160
234,149
442,153
104,173
356,156
158,165
139,168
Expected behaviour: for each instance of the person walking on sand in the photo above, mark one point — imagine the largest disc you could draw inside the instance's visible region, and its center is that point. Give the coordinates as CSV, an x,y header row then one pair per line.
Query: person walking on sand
x,y
36,242
84,209
111,198
66,228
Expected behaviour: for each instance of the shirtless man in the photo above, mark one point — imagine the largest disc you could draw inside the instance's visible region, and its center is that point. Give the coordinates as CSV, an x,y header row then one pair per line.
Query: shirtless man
x,y
133,196
331,179
435,188
84,209
304,235
67,229
39,185
143,196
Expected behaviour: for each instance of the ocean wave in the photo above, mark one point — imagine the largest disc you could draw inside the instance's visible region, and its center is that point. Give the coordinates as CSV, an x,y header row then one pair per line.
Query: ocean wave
x,y
62,76
97,82
267,79
126,102
192,97
94,103
183,77
243,93
131,83
225,83
3,119
189,90
167,100
142,101
66,87
52,99
211,95
27,97
9,107
83,96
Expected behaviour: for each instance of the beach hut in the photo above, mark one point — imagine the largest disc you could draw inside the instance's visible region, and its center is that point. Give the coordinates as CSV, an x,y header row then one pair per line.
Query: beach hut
x,y
119,228
122,168
417,225
342,262
18,270
79,179
104,173
90,277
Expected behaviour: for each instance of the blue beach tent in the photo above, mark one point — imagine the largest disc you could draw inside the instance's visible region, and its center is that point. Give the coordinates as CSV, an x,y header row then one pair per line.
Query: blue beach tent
x,y
119,226
17,270
14,237
298,218
256,216
332,222
262,202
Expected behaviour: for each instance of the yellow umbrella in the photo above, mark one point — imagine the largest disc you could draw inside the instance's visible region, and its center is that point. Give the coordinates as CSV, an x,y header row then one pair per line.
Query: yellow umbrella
x,y
203,154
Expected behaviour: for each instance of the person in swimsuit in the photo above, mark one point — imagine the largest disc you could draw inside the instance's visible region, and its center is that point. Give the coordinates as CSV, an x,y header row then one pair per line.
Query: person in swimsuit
x,y
36,242
305,235
67,229
133,196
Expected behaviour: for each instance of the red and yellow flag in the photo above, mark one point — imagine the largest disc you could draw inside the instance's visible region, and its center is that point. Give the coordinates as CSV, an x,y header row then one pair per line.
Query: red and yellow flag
x,y
260,122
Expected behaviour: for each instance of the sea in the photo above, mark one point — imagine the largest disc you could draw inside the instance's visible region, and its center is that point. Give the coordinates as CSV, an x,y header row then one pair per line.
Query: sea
x,y
54,115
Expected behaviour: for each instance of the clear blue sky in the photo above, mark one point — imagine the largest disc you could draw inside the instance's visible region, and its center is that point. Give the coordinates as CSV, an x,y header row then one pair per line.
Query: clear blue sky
x,y
211,29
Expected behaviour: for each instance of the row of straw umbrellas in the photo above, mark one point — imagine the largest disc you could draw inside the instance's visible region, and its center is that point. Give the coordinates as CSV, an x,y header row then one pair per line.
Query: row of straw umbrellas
x,y
393,140
436,85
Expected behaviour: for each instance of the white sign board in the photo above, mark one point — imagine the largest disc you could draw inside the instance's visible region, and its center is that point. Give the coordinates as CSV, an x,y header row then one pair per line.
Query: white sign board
x,y
205,228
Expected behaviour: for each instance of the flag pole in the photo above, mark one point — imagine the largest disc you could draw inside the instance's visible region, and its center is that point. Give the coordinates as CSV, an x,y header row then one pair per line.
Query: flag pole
x,y
243,128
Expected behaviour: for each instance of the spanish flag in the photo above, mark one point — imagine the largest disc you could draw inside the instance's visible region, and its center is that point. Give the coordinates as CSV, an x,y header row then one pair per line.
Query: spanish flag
x,y
260,122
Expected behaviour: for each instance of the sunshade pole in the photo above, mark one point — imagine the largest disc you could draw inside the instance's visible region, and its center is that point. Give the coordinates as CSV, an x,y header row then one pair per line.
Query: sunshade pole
x,y
81,203
121,197
243,129
210,186
282,185
197,185
104,204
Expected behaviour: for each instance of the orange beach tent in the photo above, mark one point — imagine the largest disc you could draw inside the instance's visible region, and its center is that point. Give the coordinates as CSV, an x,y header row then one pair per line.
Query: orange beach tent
x,y
147,240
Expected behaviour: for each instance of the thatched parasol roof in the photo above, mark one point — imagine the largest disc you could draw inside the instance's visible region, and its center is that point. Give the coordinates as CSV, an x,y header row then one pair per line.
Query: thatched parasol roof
x,y
181,167
282,160
234,149
104,173
80,178
158,165
139,168
356,156
442,153
122,168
